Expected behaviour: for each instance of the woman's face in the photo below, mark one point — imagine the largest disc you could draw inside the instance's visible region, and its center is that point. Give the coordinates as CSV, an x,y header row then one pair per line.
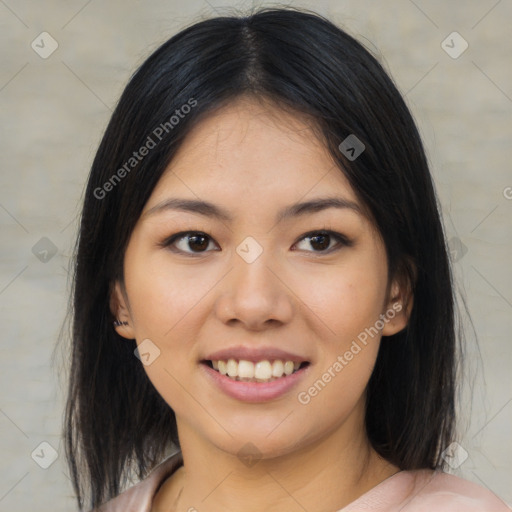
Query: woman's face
x,y
259,284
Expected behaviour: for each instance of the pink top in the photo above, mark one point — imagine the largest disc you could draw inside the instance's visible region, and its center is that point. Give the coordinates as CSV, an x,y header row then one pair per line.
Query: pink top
x,y
407,491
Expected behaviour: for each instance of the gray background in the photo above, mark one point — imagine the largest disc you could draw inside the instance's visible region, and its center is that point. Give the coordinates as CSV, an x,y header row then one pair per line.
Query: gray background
x,y
53,113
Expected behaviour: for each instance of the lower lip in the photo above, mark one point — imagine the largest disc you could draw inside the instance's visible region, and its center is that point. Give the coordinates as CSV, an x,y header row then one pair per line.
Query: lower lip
x,y
254,391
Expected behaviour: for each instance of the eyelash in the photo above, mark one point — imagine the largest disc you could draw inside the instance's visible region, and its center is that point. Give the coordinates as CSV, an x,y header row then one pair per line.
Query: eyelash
x,y
342,240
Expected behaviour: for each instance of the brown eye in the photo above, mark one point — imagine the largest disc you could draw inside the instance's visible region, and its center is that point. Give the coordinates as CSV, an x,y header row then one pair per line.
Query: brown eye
x,y
189,242
197,242
320,241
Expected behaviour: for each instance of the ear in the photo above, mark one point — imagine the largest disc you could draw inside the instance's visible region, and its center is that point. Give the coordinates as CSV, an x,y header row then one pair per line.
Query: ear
x,y
398,307
119,308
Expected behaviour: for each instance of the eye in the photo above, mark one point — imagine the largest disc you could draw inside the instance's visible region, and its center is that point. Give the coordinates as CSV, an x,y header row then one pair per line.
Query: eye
x,y
188,239
197,242
321,240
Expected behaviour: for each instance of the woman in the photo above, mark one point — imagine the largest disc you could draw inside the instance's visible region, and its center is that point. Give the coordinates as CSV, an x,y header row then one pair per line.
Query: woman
x,y
262,287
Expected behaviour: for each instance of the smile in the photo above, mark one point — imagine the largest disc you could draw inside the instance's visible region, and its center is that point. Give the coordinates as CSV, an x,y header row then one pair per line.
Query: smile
x,y
270,380
259,371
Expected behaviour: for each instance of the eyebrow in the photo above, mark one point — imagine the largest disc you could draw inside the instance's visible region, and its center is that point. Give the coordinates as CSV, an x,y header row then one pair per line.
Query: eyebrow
x,y
211,210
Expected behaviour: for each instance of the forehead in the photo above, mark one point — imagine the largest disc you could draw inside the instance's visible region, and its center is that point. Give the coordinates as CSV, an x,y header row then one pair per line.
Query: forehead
x,y
251,152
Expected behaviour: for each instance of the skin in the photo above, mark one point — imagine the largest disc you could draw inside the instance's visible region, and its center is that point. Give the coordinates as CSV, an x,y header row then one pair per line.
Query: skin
x,y
253,159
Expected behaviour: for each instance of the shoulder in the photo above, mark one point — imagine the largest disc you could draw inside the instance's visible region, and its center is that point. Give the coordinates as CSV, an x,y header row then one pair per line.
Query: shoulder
x,y
139,497
443,492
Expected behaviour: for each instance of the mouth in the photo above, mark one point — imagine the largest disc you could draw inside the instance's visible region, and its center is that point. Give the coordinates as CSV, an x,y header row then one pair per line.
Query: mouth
x,y
263,371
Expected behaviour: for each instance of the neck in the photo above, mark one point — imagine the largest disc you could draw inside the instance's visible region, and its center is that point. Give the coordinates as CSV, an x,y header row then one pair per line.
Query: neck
x,y
325,475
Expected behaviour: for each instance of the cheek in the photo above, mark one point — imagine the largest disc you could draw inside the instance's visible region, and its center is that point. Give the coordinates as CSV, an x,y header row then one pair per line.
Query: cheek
x,y
347,299
165,301
163,295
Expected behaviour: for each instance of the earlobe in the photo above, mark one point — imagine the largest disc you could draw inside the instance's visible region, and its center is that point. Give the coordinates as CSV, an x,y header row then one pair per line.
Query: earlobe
x,y
123,324
398,310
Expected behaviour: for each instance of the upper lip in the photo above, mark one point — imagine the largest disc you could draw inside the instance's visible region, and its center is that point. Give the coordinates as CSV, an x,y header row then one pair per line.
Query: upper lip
x,y
254,354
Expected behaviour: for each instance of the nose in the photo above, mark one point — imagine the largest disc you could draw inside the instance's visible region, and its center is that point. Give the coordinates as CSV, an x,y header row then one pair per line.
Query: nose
x,y
255,295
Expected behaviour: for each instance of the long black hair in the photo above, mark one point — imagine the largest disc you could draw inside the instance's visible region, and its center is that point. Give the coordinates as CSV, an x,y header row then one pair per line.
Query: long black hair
x,y
115,420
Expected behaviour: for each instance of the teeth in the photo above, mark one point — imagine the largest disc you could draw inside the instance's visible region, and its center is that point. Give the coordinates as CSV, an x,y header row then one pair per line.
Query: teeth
x,y
232,368
223,367
245,369
262,371
277,369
